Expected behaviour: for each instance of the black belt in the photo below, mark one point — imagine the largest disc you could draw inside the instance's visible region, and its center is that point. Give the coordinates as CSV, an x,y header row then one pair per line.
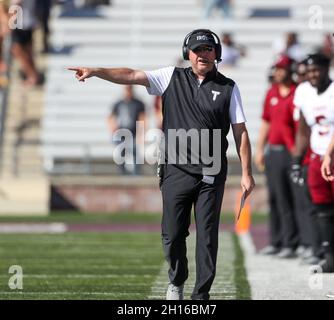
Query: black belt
x,y
276,147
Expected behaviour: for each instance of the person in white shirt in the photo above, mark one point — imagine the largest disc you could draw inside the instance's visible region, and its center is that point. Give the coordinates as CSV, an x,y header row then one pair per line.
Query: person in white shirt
x,y
199,106
290,46
315,98
231,52
22,38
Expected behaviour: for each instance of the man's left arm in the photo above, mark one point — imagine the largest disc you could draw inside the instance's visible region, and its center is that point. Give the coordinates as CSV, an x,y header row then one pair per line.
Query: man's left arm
x,y
241,139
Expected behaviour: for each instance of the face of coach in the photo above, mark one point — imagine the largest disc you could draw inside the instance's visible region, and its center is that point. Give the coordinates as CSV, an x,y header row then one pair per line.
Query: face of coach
x,y
202,54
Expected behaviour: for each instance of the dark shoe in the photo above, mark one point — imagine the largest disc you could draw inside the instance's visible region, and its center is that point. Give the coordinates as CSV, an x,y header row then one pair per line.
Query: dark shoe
x,y
326,267
270,250
287,253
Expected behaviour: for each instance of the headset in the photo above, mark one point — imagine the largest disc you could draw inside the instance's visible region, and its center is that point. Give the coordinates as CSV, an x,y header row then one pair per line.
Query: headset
x,y
218,47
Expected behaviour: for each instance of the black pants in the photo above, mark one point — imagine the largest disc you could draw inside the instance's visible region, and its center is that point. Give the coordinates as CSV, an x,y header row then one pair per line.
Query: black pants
x,y
180,191
306,216
283,221
275,228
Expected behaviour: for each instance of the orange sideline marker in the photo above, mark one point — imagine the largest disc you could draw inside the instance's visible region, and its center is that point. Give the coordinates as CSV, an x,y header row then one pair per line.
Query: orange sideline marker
x,y
243,224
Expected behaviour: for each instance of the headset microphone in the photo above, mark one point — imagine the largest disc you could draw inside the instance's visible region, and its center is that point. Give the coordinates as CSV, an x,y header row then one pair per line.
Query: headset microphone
x,y
209,61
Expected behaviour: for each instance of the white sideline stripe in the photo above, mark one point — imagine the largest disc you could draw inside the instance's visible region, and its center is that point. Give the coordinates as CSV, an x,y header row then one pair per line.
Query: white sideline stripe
x,y
223,287
33,227
246,243
272,278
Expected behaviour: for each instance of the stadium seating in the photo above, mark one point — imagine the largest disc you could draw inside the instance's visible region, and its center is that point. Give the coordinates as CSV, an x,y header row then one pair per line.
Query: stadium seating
x,y
148,34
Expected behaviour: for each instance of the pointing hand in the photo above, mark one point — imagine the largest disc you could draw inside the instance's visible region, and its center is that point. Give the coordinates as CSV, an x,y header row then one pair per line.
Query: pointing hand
x,y
82,73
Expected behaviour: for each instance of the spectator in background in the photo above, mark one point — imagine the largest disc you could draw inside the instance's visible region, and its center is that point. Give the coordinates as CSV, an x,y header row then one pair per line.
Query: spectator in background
x,y
43,8
314,98
271,73
310,243
300,74
124,115
327,47
94,3
23,42
230,51
276,163
72,5
290,46
4,31
223,5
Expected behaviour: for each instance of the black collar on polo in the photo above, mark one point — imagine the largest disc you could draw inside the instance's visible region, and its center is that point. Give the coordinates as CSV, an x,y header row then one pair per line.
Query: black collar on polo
x,y
211,75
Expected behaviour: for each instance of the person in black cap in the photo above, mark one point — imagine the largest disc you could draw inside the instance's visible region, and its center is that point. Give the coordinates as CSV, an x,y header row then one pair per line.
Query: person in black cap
x,y
273,157
199,106
315,98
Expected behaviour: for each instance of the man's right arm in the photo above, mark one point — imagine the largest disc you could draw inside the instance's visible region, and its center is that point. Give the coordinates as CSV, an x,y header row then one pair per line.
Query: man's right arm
x,y
302,137
302,143
327,164
115,75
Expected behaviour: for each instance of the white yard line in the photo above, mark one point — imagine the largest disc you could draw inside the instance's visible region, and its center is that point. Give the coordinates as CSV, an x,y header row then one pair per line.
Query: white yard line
x,y
33,228
223,286
271,278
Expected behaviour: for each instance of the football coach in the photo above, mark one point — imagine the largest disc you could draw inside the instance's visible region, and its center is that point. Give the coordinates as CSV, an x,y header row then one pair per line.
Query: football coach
x,y
199,106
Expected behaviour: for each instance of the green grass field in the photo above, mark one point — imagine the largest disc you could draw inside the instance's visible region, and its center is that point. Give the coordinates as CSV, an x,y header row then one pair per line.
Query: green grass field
x,y
123,217
92,265
81,265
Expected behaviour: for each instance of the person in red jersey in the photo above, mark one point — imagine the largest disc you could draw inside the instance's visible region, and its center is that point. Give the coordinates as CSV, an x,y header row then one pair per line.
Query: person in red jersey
x,y
276,162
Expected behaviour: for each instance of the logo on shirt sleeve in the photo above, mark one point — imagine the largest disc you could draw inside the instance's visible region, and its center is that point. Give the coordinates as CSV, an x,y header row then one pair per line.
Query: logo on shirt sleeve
x,y
273,101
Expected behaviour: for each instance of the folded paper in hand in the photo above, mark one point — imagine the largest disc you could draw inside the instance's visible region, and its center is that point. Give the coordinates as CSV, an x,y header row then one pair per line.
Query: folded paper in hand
x,y
242,203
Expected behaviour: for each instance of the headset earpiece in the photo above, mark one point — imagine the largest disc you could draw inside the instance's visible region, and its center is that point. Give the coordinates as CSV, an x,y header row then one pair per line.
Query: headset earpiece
x,y
185,50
